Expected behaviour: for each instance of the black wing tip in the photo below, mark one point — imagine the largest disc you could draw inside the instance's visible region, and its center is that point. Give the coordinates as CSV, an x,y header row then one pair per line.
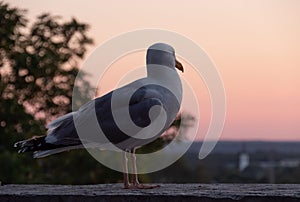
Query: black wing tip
x,y
26,149
20,143
32,144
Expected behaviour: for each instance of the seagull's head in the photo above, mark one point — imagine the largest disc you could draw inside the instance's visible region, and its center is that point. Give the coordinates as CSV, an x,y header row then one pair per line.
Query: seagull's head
x,y
163,54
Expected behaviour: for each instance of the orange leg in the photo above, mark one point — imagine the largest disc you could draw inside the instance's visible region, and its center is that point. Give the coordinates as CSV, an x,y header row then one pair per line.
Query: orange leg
x,y
135,181
125,171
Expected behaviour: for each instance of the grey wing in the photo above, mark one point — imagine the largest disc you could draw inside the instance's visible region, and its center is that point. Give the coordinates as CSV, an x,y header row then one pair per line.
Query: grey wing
x,y
62,131
116,126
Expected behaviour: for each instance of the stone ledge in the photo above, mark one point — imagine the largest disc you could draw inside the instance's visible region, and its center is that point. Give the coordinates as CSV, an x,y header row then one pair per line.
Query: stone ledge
x,y
167,192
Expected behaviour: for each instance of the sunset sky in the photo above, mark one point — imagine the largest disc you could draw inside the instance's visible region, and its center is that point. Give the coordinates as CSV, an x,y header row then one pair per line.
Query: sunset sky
x,y
255,46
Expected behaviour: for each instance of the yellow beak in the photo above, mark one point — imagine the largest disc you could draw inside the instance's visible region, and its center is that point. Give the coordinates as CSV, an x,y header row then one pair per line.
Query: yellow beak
x,y
178,65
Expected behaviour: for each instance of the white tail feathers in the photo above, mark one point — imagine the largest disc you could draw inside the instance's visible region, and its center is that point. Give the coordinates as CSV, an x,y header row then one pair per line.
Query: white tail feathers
x,y
44,153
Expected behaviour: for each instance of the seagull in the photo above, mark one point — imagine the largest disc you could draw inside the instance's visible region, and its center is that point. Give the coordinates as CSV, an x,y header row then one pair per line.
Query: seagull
x,y
160,90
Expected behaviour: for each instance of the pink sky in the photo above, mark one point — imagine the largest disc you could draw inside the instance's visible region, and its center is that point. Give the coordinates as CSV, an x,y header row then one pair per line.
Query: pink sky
x,y
254,44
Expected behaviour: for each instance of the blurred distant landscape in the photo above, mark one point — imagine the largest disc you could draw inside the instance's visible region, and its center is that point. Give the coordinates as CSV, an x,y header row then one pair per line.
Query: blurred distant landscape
x,y
229,162
237,162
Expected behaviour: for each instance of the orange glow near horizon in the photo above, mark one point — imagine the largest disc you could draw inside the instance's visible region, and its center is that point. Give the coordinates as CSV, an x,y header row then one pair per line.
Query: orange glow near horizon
x,y
254,44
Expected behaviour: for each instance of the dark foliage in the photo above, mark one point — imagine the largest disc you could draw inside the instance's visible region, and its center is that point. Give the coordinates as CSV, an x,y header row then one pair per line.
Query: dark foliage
x,y
38,66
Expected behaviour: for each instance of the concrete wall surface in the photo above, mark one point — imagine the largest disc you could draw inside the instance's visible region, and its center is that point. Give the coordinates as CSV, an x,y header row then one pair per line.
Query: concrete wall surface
x,y
166,192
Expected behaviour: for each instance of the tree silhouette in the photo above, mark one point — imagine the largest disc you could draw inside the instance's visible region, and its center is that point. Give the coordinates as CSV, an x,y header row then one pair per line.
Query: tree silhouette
x,y
38,66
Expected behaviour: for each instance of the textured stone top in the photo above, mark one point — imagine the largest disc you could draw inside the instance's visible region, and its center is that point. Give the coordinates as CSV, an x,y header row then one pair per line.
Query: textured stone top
x,y
166,192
